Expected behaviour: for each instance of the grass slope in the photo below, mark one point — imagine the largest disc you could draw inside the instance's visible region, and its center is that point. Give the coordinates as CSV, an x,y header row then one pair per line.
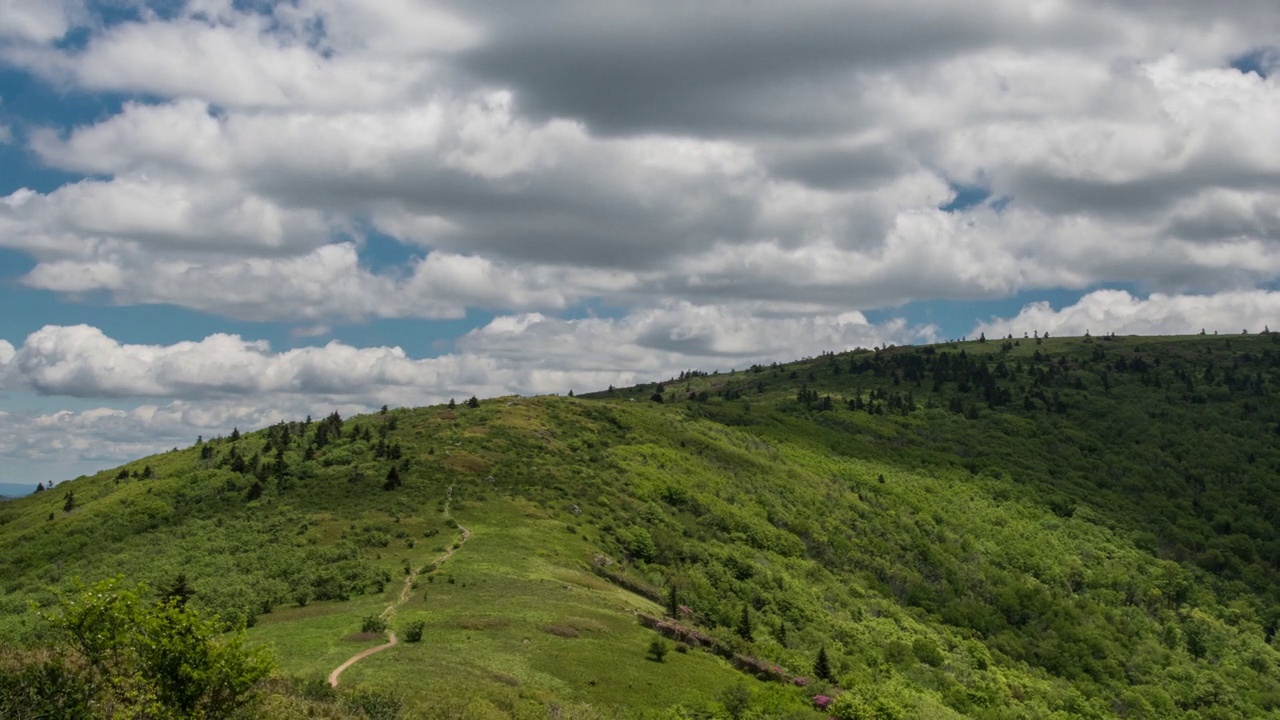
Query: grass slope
x,y
1066,527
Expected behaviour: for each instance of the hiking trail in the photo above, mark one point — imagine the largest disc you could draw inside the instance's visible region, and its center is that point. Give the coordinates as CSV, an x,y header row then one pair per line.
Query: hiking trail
x,y
404,595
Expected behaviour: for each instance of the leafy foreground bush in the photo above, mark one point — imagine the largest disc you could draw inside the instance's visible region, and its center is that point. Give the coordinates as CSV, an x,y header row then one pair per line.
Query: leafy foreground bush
x,y
374,624
113,654
413,631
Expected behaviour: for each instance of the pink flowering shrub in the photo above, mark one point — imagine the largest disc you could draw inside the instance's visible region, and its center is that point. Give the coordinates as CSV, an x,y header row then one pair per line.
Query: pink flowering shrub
x,y
693,637
822,701
800,681
677,632
762,669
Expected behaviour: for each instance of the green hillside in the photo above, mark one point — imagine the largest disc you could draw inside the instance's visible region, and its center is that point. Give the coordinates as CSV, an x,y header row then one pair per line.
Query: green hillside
x,y
1013,528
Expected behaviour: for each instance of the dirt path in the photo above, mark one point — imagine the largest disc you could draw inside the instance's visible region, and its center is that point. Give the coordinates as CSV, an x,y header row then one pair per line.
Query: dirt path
x,y
404,595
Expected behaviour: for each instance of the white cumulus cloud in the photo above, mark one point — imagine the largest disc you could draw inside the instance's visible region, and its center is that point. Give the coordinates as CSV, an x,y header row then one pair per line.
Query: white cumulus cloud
x,y
1116,311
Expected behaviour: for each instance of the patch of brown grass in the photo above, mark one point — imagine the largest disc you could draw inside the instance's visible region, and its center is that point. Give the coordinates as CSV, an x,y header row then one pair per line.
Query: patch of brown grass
x,y
461,462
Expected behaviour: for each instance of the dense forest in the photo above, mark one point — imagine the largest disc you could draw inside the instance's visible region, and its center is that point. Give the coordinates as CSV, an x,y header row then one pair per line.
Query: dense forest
x,y
1022,527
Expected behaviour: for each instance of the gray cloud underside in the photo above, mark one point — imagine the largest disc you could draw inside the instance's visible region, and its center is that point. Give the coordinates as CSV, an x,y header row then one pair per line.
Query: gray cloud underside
x,y
705,152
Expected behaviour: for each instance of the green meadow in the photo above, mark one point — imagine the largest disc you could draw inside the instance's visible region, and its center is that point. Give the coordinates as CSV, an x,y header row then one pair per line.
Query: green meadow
x,y
1002,528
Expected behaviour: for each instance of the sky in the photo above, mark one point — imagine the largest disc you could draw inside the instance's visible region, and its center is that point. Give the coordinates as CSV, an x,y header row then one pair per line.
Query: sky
x,y
219,214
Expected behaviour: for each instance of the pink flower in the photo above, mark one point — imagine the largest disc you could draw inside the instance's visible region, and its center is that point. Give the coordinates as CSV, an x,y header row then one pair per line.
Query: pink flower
x,y
685,610
822,701
800,681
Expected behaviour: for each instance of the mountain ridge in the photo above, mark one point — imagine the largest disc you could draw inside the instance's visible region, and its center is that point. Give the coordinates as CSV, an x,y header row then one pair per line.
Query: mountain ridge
x,y
993,528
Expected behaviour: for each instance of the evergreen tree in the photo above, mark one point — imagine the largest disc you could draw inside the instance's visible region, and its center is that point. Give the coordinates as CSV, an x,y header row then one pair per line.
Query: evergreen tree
x,y
673,604
822,666
393,479
69,503
657,650
744,624
179,591
474,402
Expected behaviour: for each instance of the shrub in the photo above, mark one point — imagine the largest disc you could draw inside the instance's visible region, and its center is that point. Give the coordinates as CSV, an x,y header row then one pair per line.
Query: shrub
x,y
658,650
374,624
315,687
885,701
736,700
413,631
47,687
374,704
145,658
927,652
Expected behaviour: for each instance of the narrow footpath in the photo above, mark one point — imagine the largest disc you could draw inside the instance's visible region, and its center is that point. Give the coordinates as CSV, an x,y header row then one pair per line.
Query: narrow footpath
x,y
389,613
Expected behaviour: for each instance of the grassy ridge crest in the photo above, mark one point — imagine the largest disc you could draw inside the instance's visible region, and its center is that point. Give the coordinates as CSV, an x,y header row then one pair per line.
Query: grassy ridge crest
x,y
1030,527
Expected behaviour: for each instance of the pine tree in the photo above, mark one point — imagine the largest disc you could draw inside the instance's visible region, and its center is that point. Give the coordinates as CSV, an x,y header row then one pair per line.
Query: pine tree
x,y
393,479
70,501
744,624
179,591
673,604
822,666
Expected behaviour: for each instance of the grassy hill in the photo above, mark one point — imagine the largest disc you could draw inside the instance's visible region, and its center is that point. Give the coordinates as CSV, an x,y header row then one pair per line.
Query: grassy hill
x,y
1021,528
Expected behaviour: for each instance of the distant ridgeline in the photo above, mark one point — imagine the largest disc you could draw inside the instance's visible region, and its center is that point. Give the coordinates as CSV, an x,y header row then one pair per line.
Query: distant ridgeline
x,y
1020,527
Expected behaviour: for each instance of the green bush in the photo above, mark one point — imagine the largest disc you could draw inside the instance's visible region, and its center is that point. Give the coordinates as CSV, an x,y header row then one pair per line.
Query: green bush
x,y
374,624
144,659
736,700
40,688
885,701
413,631
374,704
927,652
658,650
